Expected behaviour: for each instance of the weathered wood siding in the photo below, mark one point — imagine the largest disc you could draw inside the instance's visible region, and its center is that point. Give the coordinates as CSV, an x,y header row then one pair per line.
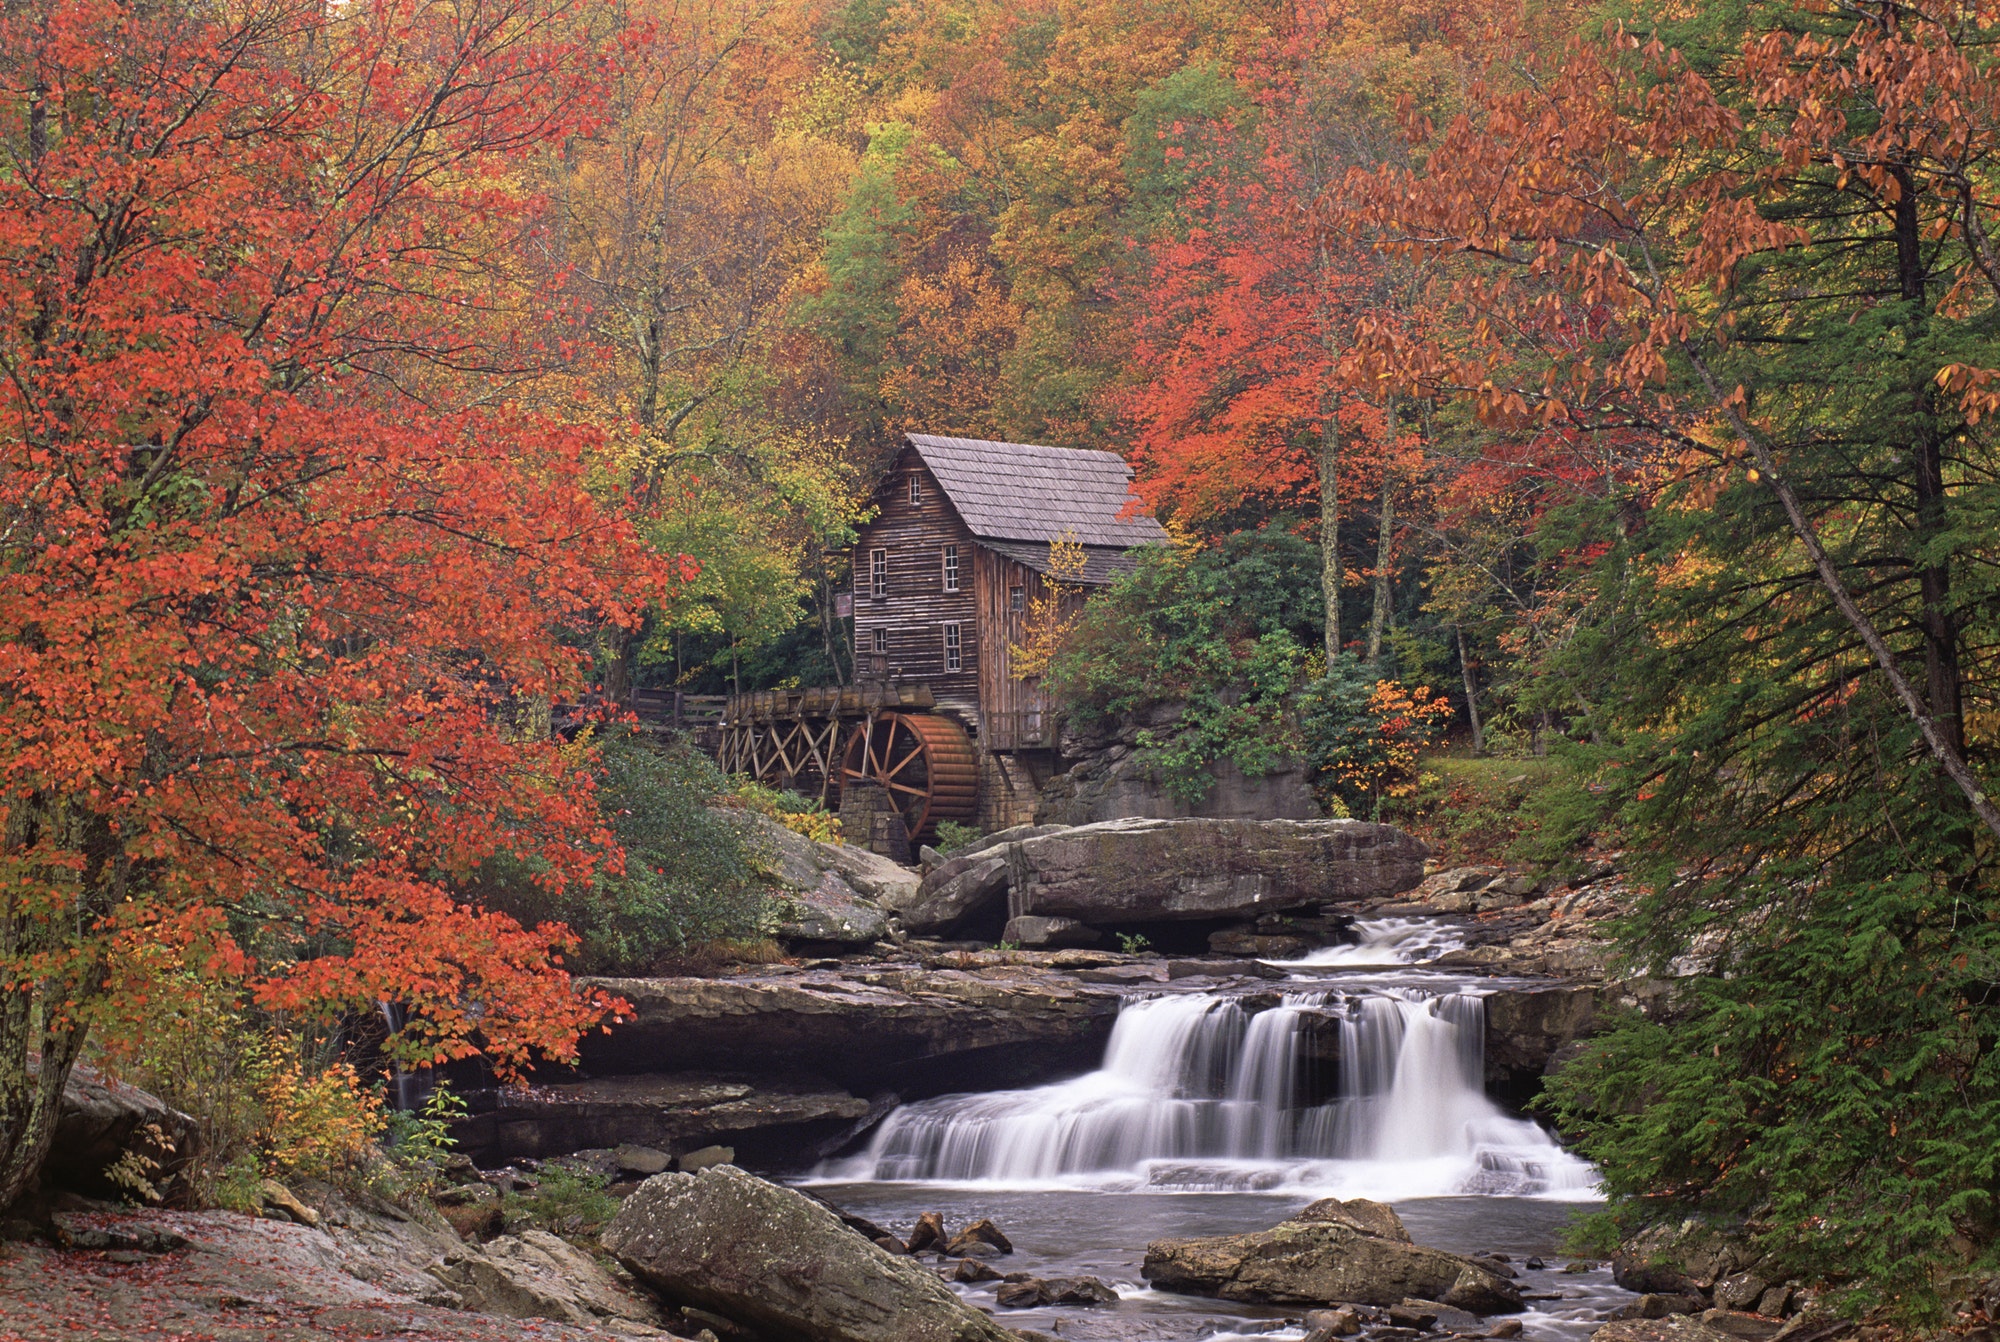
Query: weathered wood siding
x,y
1016,711
917,607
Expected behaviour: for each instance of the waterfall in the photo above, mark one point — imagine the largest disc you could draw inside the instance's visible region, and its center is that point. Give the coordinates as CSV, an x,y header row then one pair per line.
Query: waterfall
x,y
1202,1091
406,1085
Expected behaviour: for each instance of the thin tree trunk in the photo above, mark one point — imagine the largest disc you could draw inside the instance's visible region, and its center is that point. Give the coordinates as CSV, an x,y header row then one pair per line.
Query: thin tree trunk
x,y
1471,694
33,1019
826,623
619,643
1943,674
1329,530
30,1105
1378,619
1935,739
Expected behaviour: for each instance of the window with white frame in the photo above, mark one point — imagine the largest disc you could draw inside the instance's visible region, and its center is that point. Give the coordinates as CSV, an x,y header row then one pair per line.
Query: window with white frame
x,y
1017,598
916,490
951,568
878,573
881,640
954,651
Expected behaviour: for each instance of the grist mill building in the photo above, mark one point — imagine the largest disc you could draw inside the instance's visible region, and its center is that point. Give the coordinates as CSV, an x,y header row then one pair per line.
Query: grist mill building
x,y
938,724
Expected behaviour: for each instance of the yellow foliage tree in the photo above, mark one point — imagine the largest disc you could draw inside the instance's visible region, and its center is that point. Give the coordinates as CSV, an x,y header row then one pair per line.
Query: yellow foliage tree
x,y
1052,614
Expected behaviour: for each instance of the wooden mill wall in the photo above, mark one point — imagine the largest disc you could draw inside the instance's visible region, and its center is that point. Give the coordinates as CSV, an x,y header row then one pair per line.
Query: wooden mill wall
x,y
1016,715
916,607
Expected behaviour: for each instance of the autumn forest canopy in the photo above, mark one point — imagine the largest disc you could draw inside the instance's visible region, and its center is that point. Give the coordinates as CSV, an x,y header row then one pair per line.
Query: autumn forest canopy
x,y
1609,384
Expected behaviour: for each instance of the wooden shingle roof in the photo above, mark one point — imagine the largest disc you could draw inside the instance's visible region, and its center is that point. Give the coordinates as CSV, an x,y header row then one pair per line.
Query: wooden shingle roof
x,y
1101,563
1025,492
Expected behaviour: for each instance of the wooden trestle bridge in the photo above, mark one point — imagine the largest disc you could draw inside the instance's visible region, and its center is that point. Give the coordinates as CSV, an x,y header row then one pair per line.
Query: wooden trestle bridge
x,y
814,741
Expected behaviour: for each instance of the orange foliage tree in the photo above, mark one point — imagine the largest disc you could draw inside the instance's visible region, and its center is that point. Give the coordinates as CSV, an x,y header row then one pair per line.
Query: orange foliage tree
x,y
1605,233
265,611
1238,405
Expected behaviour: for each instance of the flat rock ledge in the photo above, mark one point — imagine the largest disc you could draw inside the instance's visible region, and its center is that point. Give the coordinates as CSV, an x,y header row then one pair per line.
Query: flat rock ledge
x,y
905,1027
1332,1252
1132,872
675,1114
775,1261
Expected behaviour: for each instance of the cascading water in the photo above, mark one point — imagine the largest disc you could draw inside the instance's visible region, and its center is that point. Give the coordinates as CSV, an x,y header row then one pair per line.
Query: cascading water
x,y
1203,1091
1385,941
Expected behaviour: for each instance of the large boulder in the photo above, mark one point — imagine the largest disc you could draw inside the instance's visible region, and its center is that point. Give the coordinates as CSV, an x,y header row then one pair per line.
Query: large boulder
x,y
1529,1029
831,892
778,1263
831,913
778,1116
1355,1253
967,888
1140,871
957,892
872,876
916,1030
100,1121
535,1275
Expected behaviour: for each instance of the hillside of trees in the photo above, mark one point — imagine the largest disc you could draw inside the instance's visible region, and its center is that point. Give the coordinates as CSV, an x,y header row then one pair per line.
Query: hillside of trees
x,y
1623,375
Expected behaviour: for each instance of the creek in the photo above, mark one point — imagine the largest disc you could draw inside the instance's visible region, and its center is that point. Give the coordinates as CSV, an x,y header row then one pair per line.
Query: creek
x,y
1222,1110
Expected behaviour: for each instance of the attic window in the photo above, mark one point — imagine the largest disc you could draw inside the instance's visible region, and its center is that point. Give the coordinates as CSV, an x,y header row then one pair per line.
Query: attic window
x,y
916,490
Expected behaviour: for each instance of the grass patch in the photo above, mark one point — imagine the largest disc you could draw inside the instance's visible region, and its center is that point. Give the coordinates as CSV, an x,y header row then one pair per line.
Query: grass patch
x,y
1473,809
563,1202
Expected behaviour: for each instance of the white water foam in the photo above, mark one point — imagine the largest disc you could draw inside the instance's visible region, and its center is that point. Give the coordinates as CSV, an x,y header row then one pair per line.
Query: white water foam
x,y
1202,1092
1385,941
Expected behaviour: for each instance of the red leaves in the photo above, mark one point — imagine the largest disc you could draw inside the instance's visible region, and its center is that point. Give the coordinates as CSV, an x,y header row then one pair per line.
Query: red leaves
x,y
269,602
1248,313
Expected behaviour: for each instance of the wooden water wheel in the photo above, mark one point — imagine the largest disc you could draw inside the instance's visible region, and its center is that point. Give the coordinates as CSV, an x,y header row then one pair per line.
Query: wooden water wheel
x,y
926,763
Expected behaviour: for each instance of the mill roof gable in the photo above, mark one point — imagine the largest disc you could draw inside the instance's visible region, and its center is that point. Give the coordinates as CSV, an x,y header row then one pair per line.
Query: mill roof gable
x,y
1028,492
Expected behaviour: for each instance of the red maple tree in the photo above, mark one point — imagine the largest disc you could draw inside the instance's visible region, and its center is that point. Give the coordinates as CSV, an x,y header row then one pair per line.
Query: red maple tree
x,y
1242,402
272,580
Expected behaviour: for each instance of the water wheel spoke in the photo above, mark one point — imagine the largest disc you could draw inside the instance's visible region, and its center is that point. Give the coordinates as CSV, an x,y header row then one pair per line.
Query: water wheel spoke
x,y
905,787
915,751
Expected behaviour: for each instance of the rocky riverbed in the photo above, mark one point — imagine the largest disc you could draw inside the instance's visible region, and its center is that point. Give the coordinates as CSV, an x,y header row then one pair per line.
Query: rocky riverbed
x,y
795,1067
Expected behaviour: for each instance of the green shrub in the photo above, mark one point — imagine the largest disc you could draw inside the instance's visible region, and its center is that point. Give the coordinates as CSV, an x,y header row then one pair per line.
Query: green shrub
x,y
689,877
420,1139
564,1202
952,836
801,815
1227,631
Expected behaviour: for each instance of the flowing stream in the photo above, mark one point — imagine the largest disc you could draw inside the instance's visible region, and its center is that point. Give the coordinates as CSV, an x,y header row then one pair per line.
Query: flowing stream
x,y
1360,1075
1205,1091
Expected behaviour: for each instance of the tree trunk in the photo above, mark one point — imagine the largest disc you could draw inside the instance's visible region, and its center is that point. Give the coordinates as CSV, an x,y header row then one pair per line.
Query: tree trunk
x,y
619,644
42,1013
1378,619
30,1105
1329,530
1471,694
1943,677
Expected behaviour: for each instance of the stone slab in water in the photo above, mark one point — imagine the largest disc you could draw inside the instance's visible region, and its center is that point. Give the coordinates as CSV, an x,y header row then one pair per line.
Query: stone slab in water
x,y
1326,1261
1140,871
